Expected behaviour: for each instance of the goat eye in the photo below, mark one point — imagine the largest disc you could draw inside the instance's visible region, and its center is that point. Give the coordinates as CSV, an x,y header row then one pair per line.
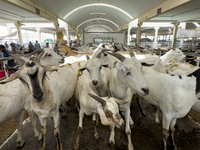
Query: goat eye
x,y
100,68
49,55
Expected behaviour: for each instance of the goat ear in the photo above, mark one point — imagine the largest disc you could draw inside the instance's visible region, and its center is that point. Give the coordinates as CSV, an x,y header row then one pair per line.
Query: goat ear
x,y
11,78
49,69
103,117
80,71
87,57
106,66
115,63
19,60
120,102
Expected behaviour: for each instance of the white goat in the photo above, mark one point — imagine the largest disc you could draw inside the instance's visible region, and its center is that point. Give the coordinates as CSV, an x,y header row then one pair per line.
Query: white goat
x,y
15,98
126,79
99,75
169,57
91,104
48,92
19,99
106,59
48,57
174,95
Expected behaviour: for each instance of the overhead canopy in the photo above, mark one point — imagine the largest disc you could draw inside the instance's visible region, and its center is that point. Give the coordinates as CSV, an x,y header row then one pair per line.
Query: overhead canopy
x,y
116,11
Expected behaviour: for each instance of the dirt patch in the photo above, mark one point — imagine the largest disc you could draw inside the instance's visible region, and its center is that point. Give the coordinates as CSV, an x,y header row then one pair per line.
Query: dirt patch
x,y
8,127
146,134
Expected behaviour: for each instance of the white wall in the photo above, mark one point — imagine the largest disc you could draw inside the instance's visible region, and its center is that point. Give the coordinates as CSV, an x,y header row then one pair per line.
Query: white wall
x,y
118,37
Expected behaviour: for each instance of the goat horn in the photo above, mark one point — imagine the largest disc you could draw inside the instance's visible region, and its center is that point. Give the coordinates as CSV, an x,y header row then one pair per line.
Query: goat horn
x,y
35,52
38,57
87,57
102,51
97,98
98,55
131,54
118,56
19,60
105,50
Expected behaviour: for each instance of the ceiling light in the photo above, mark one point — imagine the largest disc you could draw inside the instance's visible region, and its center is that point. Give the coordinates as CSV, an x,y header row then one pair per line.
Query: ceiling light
x,y
97,13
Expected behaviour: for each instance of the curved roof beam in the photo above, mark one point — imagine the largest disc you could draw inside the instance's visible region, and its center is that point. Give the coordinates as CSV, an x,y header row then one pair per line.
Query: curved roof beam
x,y
99,26
98,4
97,19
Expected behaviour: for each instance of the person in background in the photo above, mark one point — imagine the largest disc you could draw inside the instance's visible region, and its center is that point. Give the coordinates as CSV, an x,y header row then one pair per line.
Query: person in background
x,y
37,45
11,63
47,45
56,48
6,45
13,46
30,47
19,47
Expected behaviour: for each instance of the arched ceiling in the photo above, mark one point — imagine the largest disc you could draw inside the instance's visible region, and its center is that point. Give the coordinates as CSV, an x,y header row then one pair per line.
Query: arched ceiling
x,y
117,11
98,28
97,21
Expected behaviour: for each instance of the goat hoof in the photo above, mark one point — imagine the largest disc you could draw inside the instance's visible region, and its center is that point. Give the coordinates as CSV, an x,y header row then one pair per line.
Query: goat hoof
x,y
76,147
20,143
63,115
96,138
40,137
144,114
158,123
112,144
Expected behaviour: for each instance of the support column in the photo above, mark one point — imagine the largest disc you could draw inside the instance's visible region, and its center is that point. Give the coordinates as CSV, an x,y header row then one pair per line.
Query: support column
x,y
56,24
176,24
38,35
67,34
139,33
18,25
156,36
78,36
128,34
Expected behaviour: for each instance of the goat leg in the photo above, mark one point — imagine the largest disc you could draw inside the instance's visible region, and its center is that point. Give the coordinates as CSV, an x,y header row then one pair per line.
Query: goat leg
x,y
76,146
81,116
96,135
33,118
19,141
57,135
171,135
43,131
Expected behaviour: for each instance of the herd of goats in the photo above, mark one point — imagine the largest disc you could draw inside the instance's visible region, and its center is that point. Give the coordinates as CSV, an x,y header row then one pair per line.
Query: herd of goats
x,y
102,84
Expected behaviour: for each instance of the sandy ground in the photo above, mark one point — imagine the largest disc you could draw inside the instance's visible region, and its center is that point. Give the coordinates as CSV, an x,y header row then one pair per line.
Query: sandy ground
x,y
146,134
